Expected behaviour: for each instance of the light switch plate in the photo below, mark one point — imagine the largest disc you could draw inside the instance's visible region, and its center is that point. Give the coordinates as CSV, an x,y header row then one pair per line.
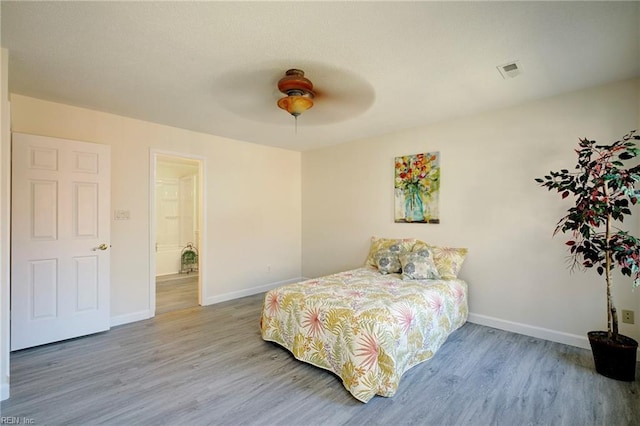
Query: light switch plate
x,y
121,215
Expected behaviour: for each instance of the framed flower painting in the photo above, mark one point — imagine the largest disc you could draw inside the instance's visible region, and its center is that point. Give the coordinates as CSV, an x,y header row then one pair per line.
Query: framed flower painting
x,y
417,188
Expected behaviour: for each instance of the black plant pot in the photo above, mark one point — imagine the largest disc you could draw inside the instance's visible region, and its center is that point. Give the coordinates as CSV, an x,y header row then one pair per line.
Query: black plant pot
x,y
615,359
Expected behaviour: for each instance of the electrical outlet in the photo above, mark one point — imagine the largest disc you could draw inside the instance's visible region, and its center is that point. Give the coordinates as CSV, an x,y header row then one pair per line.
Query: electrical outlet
x,y
627,317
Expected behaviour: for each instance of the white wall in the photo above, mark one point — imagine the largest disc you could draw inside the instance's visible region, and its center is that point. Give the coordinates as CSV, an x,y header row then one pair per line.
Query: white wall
x,y
4,223
489,203
253,239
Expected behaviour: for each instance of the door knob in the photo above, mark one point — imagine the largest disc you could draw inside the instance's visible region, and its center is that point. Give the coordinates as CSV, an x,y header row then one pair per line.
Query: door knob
x,y
102,246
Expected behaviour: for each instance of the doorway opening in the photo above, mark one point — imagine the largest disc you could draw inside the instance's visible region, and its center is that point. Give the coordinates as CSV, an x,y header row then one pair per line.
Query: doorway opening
x,y
176,217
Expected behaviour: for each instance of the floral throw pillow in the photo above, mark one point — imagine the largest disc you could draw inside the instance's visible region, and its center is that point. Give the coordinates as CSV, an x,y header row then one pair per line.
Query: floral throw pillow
x,y
418,265
448,260
394,244
387,262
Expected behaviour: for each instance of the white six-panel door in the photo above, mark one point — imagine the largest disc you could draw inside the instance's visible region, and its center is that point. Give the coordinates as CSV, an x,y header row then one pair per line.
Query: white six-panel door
x,y
60,232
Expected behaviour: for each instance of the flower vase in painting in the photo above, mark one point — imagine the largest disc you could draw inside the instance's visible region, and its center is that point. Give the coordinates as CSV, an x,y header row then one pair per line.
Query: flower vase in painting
x,y
413,210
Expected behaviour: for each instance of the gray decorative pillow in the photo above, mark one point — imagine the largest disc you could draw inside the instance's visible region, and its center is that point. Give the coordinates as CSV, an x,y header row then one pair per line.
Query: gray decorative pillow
x,y
418,265
387,261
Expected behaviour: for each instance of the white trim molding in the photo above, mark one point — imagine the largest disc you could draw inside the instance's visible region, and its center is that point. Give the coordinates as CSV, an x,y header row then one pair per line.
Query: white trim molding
x,y
143,315
5,225
248,292
533,331
201,245
530,330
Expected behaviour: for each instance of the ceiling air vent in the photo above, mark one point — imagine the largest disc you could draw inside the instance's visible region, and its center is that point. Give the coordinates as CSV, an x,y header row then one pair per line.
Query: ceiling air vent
x,y
510,70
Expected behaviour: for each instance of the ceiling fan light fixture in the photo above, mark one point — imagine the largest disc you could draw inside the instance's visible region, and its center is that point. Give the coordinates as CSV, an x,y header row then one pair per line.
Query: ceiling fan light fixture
x,y
295,105
299,91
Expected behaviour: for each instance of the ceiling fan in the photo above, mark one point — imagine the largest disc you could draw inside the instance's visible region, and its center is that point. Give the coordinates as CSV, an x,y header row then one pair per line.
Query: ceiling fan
x,y
252,92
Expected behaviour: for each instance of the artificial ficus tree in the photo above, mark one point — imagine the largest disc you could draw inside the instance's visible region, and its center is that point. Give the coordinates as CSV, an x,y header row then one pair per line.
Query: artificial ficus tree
x,y
603,185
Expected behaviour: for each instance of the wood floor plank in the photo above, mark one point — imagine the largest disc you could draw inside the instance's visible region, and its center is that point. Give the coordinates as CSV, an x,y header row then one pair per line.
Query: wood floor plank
x,y
209,366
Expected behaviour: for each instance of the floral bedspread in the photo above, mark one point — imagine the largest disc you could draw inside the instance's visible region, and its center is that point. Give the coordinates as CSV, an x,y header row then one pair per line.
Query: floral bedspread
x,y
366,327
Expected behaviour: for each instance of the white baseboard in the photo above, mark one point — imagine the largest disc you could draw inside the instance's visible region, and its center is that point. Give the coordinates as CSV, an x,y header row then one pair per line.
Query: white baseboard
x,y
127,318
530,330
533,331
248,292
143,315
4,391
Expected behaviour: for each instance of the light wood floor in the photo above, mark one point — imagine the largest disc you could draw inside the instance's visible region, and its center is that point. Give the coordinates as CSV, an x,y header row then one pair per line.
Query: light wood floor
x,y
208,365
176,292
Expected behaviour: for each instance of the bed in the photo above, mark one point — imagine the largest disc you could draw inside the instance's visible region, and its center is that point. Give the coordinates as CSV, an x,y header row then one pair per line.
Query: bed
x,y
371,324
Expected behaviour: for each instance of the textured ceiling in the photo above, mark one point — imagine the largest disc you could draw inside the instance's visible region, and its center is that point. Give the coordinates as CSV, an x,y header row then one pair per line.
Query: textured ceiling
x,y
379,67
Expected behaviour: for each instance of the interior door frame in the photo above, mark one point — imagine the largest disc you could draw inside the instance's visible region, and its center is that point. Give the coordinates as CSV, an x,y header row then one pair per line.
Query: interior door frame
x,y
202,223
